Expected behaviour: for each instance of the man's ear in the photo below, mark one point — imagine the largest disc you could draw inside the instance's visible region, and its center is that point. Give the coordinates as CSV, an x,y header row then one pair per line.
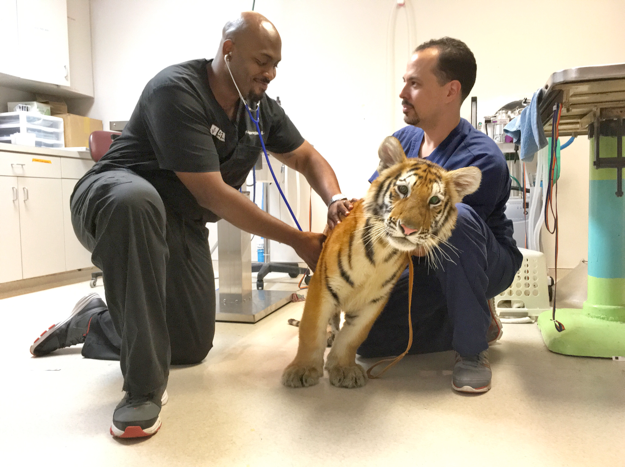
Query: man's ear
x,y
390,153
227,47
455,90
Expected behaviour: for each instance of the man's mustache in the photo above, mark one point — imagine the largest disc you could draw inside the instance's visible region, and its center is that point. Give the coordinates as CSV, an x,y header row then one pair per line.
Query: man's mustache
x,y
404,102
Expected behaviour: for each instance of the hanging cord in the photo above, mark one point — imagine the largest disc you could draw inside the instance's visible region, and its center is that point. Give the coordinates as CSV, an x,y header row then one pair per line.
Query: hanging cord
x,y
262,142
395,361
552,204
524,204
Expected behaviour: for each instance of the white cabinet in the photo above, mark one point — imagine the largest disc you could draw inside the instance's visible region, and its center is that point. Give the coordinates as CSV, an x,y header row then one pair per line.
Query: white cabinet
x,y
76,255
41,226
10,243
43,41
36,234
8,38
46,46
80,61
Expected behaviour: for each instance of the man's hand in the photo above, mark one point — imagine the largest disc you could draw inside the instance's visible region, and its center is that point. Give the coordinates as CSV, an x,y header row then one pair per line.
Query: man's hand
x,y
308,247
339,210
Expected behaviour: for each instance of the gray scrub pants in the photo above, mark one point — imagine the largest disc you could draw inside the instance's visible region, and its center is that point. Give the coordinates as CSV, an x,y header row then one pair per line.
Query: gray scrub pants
x,y
158,278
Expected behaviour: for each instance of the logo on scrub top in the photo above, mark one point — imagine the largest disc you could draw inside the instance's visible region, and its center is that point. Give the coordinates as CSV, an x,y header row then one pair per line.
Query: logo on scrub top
x,y
216,132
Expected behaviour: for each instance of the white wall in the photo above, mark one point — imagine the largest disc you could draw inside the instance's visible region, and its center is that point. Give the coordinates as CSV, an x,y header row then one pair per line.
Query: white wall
x,y
339,82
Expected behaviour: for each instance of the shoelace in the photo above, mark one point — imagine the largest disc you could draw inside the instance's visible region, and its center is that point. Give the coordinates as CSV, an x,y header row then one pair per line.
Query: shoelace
x,y
479,359
132,400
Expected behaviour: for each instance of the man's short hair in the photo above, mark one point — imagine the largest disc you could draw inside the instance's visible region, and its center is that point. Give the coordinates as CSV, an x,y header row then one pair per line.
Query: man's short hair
x,y
455,62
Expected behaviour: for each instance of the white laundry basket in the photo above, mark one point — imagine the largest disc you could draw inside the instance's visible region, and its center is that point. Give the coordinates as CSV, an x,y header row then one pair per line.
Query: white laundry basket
x,y
528,295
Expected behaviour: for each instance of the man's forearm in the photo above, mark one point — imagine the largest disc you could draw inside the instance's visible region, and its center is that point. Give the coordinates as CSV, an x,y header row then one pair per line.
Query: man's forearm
x,y
244,214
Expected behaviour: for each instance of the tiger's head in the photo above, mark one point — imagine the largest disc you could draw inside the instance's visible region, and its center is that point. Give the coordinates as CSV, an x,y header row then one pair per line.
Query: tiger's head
x,y
412,203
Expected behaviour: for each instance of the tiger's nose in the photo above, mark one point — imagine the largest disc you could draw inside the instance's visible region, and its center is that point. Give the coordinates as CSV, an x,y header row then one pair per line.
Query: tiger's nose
x,y
406,230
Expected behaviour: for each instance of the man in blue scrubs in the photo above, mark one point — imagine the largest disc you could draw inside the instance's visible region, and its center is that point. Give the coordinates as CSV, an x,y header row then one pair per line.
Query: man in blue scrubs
x,y
450,303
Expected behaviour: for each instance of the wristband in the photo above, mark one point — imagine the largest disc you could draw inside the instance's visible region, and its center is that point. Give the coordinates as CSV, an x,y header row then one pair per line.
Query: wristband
x,y
336,198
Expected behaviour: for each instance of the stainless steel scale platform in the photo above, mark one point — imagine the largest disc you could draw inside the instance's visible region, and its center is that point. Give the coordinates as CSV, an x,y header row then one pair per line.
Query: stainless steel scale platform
x,y
236,300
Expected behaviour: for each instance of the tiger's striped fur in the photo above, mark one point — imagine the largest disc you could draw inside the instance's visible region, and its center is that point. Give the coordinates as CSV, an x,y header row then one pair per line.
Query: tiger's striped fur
x,y
411,205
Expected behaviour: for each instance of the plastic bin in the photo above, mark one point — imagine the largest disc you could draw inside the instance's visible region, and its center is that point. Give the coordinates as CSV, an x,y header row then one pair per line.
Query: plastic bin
x,y
528,295
48,130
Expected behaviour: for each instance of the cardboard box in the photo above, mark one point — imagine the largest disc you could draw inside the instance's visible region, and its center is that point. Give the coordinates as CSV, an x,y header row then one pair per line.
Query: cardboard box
x,y
36,107
77,129
57,104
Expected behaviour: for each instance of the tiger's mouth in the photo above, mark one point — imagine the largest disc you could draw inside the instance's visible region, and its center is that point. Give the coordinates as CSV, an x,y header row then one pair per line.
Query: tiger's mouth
x,y
401,242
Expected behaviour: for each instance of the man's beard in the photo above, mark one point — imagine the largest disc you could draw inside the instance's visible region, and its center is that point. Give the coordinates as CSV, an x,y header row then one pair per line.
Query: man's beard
x,y
253,99
411,119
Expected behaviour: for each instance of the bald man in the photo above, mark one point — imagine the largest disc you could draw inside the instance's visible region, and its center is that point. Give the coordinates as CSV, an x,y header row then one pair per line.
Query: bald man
x,y
187,148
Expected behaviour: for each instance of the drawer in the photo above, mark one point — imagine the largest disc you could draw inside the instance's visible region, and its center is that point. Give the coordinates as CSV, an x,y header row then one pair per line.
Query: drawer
x,y
75,168
29,165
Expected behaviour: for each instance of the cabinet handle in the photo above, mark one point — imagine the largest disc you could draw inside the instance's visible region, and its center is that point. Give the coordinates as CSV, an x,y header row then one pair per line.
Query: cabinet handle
x,y
21,165
14,193
25,194
66,73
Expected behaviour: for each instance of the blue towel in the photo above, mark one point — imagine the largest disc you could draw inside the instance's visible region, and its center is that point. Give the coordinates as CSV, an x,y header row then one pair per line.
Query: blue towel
x,y
527,129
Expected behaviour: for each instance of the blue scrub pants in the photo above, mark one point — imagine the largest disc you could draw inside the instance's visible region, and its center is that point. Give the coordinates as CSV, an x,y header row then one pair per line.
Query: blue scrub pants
x,y
449,304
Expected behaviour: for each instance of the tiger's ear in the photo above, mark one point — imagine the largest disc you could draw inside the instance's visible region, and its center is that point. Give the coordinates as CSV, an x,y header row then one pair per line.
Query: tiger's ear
x,y
465,181
390,153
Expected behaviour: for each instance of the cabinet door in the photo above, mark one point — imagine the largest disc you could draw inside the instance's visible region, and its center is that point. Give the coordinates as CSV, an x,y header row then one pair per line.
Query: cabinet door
x,y
41,226
10,244
43,41
79,32
76,255
8,38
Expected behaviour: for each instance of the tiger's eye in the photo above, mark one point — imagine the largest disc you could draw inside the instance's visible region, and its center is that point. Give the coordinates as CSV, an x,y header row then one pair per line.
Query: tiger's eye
x,y
435,200
403,189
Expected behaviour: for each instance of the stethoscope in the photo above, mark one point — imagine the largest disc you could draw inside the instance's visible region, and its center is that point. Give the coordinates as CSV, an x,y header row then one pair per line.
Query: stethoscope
x,y
262,142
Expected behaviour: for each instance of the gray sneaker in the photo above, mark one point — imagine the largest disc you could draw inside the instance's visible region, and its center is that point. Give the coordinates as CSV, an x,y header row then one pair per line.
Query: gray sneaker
x,y
72,330
495,329
139,416
472,373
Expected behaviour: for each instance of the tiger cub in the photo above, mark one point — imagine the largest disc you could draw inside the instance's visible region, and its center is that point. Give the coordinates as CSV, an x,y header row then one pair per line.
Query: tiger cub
x,y
410,206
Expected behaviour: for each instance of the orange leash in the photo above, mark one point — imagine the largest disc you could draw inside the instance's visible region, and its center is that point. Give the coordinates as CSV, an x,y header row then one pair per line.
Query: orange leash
x,y
395,361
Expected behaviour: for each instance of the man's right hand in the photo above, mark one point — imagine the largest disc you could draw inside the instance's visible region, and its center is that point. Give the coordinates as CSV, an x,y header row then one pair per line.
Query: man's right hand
x,y
308,247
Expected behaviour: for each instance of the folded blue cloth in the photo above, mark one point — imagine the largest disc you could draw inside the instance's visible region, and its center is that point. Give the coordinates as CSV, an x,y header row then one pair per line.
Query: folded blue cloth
x,y
527,130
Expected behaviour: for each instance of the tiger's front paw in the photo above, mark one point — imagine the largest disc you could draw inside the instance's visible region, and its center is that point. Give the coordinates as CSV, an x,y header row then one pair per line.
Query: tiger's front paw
x,y
352,376
301,377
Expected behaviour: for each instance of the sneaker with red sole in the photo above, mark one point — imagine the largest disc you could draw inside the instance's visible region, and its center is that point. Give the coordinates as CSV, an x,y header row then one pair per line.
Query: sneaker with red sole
x,y
72,330
138,416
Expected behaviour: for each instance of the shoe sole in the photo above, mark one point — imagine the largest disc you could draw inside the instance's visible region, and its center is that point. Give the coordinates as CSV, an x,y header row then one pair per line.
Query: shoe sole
x,y
470,389
48,332
137,431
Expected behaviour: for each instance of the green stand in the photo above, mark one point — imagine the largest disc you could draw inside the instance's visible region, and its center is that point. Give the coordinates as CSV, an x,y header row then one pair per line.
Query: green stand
x,y
598,330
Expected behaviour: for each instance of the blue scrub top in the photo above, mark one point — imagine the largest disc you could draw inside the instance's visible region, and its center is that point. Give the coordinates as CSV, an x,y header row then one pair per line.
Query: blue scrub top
x,y
465,146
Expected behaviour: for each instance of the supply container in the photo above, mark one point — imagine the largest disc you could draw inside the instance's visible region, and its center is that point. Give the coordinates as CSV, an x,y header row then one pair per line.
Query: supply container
x,y
47,130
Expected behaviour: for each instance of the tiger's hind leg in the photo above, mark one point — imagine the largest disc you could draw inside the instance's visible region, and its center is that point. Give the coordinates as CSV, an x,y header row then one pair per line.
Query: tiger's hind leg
x,y
307,367
341,364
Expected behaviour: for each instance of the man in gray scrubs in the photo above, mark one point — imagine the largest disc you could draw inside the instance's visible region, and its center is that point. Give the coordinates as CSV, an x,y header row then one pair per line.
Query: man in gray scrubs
x,y
188,146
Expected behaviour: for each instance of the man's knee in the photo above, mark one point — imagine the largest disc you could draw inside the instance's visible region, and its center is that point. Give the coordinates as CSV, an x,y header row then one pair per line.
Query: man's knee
x,y
135,200
190,355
